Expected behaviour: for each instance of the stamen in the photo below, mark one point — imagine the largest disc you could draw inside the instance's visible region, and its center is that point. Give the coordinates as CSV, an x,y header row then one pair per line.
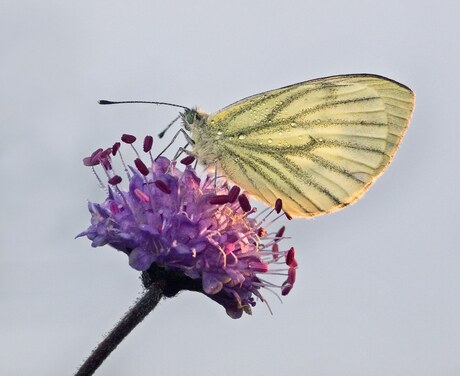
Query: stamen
x,y
262,212
99,180
90,162
288,216
141,167
261,232
128,138
258,267
277,209
104,158
290,258
161,185
106,153
114,180
189,159
148,143
266,285
96,153
278,205
274,240
233,193
224,256
244,203
105,162
125,168
274,220
115,148
93,159
286,288
219,199
287,285
275,252
291,275
280,233
252,211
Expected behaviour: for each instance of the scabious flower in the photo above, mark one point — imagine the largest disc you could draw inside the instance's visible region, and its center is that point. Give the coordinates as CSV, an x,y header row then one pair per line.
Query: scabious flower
x,y
191,233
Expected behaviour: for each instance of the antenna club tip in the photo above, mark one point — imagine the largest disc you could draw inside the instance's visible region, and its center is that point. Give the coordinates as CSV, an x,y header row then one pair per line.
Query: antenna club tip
x,y
103,101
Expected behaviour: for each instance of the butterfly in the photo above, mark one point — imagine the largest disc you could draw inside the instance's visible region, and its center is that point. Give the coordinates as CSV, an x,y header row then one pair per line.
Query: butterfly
x,y
318,145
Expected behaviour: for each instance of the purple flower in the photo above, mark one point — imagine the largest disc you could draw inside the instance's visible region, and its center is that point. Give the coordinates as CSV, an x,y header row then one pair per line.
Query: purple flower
x,y
188,232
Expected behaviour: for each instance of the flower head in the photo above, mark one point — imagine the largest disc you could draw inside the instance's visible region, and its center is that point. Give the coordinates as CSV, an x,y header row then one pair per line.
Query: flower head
x,y
195,232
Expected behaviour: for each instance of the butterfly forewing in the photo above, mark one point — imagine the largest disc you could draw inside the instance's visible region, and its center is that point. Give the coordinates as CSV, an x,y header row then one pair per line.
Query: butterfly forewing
x,y
318,145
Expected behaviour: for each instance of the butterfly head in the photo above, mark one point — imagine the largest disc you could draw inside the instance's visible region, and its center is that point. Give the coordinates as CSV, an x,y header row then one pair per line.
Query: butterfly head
x,y
193,117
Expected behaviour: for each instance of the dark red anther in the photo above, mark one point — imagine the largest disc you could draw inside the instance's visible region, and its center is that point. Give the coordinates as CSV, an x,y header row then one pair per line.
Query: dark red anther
x,y
291,275
244,203
290,258
288,284
233,193
96,153
128,138
105,162
89,161
286,287
161,185
280,234
114,180
258,267
105,154
275,251
189,159
104,158
93,160
278,205
218,199
288,216
115,148
261,232
141,167
148,143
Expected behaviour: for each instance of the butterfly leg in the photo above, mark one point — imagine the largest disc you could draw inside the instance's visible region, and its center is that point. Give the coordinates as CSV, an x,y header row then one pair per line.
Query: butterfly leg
x,y
216,175
180,131
180,151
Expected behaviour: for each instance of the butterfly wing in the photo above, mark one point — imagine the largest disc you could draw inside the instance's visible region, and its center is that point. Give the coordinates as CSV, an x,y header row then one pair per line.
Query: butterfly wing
x,y
318,145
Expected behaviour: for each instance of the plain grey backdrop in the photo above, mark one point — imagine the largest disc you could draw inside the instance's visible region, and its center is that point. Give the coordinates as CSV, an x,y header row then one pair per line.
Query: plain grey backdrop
x,y
378,283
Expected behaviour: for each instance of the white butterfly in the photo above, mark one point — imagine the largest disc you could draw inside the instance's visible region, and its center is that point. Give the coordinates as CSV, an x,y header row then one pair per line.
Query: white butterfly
x,y
318,145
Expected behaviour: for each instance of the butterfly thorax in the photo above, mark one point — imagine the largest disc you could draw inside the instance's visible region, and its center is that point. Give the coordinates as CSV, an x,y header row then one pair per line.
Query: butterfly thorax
x,y
206,138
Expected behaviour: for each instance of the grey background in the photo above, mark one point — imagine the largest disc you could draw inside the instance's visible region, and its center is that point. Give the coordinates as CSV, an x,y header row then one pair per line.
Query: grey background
x,y
378,283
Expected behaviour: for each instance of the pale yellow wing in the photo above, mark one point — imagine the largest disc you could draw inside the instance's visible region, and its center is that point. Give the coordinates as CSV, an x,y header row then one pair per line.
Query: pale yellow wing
x,y
318,145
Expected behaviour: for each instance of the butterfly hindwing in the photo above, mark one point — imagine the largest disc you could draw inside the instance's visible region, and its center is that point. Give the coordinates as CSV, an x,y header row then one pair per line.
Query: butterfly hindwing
x,y
318,144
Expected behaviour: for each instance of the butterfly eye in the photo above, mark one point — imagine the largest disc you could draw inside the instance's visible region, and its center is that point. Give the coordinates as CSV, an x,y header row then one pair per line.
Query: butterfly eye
x,y
198,116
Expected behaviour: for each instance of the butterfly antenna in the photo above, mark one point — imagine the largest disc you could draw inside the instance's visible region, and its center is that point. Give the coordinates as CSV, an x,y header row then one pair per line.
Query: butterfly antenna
x,y
103,101
162,133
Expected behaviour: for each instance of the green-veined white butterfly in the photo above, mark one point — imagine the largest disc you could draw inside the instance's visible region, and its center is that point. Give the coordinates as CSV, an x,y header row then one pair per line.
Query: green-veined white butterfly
x,y
318,145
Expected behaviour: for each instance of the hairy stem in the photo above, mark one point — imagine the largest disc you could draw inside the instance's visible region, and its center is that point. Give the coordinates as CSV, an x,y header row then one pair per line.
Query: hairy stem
x,y
134,316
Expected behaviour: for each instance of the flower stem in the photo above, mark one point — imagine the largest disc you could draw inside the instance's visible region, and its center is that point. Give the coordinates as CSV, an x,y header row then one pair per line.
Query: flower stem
x,y
134,316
